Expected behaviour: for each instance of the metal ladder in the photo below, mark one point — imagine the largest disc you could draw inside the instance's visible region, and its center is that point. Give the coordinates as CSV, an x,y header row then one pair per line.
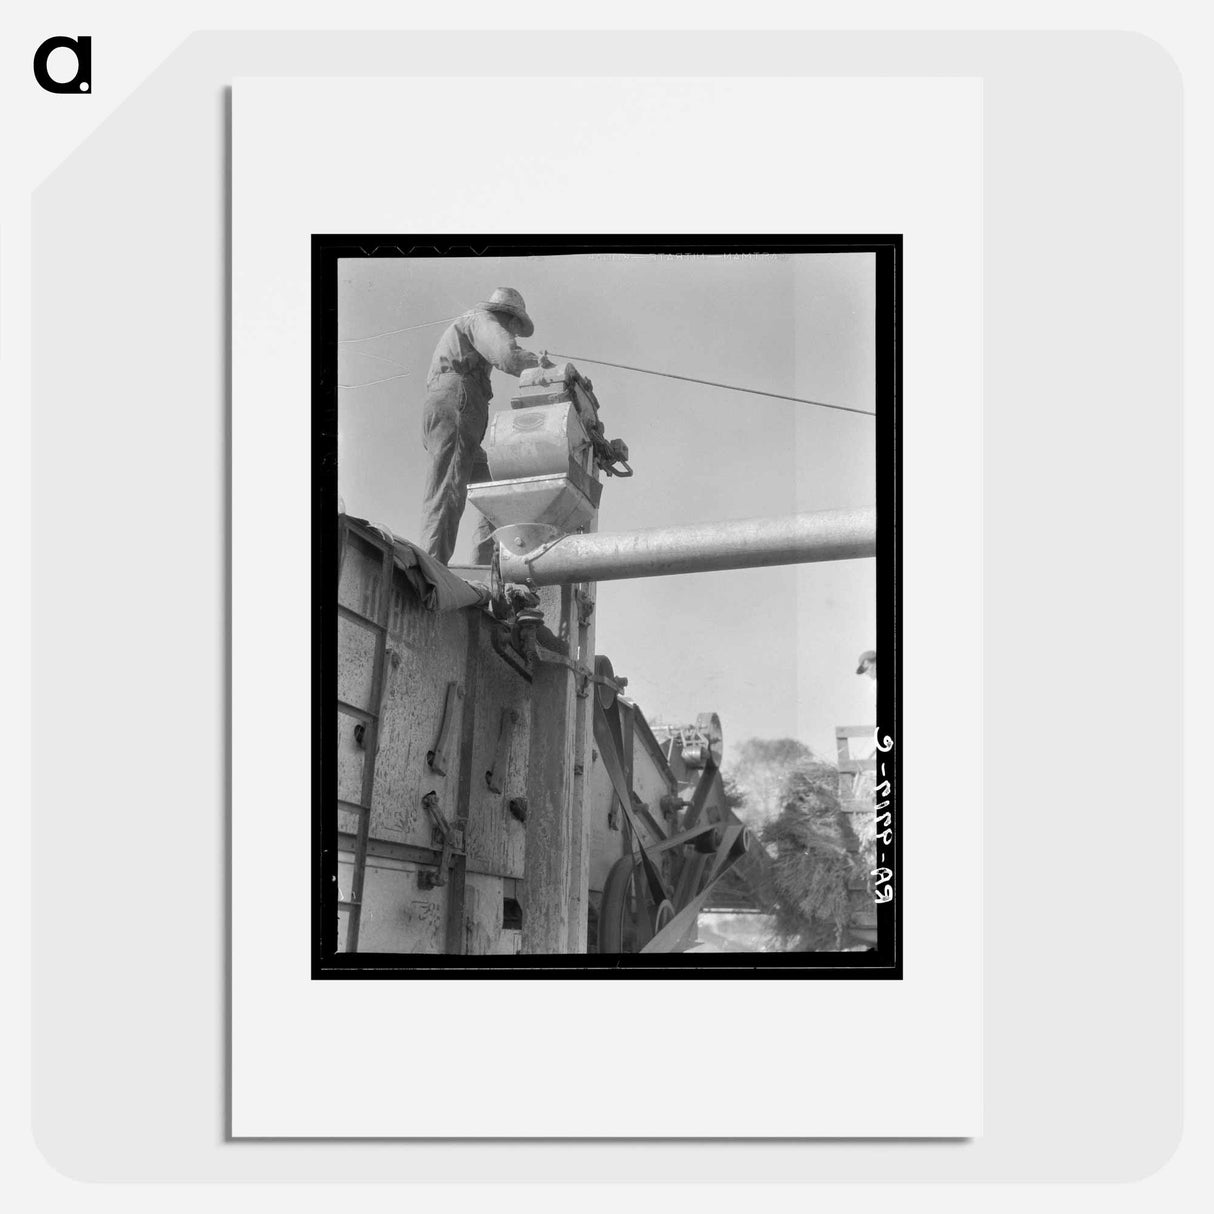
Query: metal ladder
x,y
370,721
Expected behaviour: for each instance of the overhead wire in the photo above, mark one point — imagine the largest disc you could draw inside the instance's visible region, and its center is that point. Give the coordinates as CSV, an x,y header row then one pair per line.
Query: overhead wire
x,y
378,358
346,341
711,383
599,362
372,382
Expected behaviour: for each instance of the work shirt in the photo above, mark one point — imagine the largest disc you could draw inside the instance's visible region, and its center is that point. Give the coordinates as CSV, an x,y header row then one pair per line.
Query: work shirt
x,y
472,345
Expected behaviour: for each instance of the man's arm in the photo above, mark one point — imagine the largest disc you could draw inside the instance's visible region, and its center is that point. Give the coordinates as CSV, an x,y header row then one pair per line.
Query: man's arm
x,y
496,344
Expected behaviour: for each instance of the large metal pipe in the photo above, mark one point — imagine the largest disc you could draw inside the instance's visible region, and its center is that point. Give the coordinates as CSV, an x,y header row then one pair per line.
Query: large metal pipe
x,y
825,535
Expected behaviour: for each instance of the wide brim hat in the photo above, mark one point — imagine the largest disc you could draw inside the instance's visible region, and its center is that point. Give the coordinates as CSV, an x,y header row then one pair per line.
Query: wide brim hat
x,y
507,299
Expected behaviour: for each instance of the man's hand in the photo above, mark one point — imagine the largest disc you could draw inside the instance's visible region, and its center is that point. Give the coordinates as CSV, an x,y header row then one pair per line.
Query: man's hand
x,y
545,361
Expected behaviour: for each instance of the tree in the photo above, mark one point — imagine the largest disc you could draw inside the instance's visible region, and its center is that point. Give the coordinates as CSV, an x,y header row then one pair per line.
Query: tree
x,y
816,857
755,779
790,800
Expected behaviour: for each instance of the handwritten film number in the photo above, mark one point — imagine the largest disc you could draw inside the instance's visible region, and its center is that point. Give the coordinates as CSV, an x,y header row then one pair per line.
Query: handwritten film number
x,y
882,878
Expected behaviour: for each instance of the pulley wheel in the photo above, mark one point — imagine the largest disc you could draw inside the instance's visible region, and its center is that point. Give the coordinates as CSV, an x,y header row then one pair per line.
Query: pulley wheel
x,y
624,923
603,670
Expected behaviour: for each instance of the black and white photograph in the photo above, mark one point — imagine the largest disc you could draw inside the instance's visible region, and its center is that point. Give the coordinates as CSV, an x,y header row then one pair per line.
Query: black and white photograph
x,y
606,549
539,625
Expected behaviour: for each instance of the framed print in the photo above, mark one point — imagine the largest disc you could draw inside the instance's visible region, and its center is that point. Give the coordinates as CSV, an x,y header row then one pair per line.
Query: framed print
x,y
602,534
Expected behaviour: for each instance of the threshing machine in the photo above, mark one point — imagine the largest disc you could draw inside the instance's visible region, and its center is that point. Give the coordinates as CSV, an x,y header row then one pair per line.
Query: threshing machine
x,y
498,792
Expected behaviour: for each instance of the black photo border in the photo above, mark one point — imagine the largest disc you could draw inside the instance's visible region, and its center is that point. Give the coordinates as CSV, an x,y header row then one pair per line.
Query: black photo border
x,y
883,963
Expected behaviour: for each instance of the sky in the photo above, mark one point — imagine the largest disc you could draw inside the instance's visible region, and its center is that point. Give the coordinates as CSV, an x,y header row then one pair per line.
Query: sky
x,y
773,651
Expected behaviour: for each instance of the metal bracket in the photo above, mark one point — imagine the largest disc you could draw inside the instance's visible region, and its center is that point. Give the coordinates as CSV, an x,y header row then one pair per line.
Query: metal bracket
x,y
641,808
449,838
494,777
584,674
513,658
611,685
437,758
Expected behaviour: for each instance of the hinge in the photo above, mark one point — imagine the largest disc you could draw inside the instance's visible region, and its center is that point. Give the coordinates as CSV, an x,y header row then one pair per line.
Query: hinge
x,y
445,836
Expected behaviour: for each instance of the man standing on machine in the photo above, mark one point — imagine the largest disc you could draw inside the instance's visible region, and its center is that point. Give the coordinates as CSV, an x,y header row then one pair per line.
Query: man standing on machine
x,y
457,414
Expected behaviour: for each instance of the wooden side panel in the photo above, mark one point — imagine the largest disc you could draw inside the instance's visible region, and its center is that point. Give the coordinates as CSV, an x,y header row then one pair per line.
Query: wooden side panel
x,y
398,916
496,841
355,663
427,652
484,898
361,575
361,578
350,756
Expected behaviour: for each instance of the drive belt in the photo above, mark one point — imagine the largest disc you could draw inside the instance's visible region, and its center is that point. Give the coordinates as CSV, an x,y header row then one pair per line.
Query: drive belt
x,y
609,742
